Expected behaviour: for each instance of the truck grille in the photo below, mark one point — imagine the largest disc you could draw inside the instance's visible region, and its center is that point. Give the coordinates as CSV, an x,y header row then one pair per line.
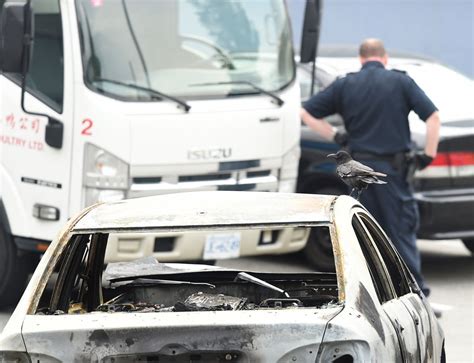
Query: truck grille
x,y
207,177
146,180
256,176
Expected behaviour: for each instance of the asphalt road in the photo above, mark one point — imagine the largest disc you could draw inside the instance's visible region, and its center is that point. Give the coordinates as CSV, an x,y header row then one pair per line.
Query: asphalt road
x,y
449,269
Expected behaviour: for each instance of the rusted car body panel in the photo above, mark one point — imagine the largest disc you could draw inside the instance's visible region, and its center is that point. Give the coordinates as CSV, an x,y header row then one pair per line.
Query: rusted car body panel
x,y
205,210
356,325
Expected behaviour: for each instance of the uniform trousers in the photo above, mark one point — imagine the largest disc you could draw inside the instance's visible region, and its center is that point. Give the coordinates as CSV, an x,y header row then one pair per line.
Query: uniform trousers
x,y
394,207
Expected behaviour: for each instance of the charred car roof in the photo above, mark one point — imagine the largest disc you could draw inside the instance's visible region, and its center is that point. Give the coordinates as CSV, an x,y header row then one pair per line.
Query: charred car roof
x,y
206,210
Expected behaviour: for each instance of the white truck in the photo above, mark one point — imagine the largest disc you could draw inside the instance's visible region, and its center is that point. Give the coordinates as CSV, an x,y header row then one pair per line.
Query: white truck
x,y
108,99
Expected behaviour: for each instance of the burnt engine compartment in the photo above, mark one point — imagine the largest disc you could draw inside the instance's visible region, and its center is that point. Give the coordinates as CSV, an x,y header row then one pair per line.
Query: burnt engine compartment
x,y
172,294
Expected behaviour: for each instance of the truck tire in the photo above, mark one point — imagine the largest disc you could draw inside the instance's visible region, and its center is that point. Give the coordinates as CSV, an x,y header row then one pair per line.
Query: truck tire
x,y
469,243
318,250
14,271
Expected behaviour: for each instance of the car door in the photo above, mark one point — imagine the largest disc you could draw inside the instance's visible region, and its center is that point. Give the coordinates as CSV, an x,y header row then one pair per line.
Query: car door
x,y
405,287
392,304
41,173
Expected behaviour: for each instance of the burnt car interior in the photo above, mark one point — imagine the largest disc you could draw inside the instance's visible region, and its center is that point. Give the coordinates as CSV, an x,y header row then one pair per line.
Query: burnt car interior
x,y
83,284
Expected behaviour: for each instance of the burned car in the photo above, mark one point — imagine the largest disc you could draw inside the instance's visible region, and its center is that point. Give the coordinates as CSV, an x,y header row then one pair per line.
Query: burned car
x,y
369,309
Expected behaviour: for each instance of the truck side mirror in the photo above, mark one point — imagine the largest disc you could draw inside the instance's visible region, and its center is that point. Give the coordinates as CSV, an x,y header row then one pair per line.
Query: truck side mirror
x,y
310,36
15,37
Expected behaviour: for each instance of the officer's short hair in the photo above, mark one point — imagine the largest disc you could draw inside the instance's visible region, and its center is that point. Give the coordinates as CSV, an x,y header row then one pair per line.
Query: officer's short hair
x,y
372,48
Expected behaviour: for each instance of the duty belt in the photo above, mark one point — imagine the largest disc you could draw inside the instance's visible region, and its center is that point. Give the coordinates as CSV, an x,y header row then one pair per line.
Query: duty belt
x,y
402,161
364,155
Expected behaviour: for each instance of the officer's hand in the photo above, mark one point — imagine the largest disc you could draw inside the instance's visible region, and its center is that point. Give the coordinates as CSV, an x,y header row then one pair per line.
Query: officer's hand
x,y
422,161
341,138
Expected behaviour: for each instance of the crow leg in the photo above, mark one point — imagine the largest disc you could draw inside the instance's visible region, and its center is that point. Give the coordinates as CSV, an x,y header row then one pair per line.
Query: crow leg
x,y
359,192
351,194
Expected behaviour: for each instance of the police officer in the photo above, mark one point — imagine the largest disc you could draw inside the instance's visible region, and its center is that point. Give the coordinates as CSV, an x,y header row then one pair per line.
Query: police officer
x,y
375,103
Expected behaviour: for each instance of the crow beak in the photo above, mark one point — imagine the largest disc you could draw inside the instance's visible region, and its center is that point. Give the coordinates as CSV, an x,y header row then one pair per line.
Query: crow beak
x,y
333,156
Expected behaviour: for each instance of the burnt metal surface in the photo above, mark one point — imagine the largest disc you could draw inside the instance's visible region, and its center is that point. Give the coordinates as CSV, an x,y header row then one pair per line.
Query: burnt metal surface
x,y
210,302
179,354
338,254
48,263
143,267
207,209
366,306
425,324
220,289
254,336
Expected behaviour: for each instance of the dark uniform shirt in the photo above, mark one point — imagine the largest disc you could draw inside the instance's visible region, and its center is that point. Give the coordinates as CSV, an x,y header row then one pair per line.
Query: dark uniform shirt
x,y
374,104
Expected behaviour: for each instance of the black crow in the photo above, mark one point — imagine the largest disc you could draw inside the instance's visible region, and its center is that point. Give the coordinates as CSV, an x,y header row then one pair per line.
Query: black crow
x,y
356,175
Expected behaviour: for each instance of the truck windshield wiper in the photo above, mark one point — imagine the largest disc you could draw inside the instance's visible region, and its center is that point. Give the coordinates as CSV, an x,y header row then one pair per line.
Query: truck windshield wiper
x,y
186,107
276,99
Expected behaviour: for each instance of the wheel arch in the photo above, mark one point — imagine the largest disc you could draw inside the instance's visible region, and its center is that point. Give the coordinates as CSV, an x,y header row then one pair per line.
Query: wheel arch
x,y
13,216
4,222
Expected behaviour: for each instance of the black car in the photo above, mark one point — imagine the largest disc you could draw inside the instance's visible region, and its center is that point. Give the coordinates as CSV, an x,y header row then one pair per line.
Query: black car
x,y
444,190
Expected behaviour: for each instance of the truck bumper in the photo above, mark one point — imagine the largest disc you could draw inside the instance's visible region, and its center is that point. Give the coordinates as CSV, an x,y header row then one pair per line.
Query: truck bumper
x,y
167,247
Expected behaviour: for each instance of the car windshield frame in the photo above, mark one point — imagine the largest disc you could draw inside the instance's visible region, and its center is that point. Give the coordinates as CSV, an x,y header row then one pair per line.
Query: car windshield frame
x,y
230,49
74,234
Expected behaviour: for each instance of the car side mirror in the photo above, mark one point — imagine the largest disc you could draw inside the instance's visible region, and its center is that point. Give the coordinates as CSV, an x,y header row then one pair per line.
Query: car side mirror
x,y
310,35
15,37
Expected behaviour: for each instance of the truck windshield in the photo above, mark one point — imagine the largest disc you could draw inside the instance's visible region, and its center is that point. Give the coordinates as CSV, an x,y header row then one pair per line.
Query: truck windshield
x,y
178,46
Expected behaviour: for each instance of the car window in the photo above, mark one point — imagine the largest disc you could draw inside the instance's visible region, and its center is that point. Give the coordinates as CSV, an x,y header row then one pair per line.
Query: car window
x,y
46,71
375,264
45,79
98,272
304,78
323,80
389,255
78,286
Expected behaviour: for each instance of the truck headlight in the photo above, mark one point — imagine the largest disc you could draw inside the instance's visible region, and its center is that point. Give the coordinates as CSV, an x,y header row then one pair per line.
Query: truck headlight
x,y
289,170
106,177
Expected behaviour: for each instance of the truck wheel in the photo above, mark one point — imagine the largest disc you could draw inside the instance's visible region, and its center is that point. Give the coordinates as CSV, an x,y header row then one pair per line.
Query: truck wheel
x,y
469,243
318,250
14,271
